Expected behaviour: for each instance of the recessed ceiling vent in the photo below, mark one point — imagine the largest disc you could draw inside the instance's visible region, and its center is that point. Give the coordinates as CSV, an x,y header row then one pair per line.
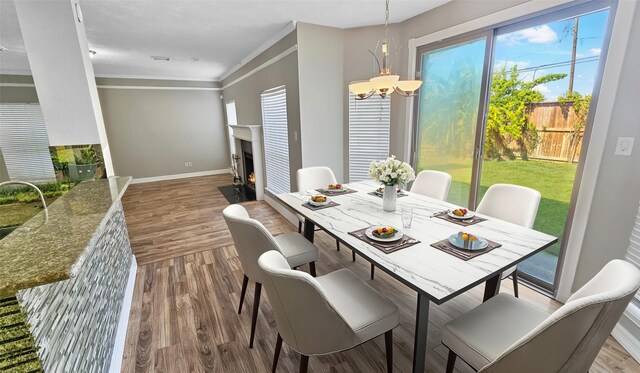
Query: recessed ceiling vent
x,y
160,58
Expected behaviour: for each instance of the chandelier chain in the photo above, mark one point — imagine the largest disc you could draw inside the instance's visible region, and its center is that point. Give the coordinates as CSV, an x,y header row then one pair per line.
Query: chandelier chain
x,y
386,20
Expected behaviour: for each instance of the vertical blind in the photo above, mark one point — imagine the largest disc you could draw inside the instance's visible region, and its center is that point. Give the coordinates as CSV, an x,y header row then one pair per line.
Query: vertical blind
x,y
276,139
232,117
633,253
25,144
369,122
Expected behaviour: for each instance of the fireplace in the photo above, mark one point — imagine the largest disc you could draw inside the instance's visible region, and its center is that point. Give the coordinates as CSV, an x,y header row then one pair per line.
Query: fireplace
x,y
248,172
247,140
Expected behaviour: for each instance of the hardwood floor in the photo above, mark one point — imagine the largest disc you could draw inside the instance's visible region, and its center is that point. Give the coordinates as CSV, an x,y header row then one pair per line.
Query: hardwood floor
x,y
184,313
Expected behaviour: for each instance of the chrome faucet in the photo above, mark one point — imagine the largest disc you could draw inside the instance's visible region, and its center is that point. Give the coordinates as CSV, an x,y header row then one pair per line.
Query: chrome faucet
x,y
44,204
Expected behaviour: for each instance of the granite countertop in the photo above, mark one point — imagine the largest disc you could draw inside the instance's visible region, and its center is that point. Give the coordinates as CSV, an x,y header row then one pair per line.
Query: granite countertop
x,y
37,253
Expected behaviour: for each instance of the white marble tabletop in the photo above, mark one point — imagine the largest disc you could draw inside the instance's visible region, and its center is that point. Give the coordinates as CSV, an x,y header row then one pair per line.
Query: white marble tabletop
x,y
439,275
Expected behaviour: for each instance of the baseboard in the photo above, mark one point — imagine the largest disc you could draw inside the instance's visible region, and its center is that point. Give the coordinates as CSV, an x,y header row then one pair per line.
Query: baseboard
x,y
627,340
123,323
281,209
179,176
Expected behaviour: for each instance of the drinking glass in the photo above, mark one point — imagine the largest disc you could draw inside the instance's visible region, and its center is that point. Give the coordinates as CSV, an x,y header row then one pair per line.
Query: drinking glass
x,y
407,216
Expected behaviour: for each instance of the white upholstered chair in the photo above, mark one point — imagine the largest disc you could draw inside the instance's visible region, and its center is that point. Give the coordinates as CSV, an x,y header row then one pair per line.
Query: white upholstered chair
x,y
515,204
327,314
506,334
434,184
318,177
251,239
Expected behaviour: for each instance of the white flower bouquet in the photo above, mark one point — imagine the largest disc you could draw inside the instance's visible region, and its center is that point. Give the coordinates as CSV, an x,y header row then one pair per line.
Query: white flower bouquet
x,y
391,172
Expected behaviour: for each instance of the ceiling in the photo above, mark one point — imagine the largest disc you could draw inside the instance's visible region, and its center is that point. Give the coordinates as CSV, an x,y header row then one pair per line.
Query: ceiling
x,y
218,34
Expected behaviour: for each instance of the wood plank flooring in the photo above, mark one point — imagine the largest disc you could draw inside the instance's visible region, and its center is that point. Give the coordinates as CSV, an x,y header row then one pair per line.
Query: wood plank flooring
x,y
184,313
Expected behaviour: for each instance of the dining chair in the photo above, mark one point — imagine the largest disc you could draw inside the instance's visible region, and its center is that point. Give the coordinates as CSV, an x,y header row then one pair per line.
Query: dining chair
x,y
506,334
434,184
326,314
316,178
515,204
251,239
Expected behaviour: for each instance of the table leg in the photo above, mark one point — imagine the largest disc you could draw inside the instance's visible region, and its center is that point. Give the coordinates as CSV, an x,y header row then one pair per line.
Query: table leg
x,y
420,338
492,287
309,229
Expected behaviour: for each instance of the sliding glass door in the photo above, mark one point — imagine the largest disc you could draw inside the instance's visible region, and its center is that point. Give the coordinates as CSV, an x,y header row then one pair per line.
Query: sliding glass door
x,y
512,106
450,108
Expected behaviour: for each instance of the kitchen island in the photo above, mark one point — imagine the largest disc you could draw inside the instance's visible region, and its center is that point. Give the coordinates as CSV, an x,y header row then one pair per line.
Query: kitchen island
x,y
73,276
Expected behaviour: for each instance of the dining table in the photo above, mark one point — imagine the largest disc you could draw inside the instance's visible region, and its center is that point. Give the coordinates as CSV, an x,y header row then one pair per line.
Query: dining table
x,y
434,274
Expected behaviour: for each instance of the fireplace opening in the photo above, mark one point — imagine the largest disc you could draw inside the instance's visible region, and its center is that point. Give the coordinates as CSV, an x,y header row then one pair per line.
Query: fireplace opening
x,y
249,174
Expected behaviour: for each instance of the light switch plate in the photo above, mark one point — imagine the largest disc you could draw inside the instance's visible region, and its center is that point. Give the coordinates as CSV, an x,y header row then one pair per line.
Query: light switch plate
x,y
624,146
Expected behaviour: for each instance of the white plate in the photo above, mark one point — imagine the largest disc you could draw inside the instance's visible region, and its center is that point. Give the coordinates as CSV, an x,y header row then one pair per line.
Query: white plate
x,y
318,204
469,215
479,244
369,233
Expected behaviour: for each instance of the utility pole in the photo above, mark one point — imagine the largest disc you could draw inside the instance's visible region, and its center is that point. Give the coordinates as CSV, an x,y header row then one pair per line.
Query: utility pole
x,y
573,55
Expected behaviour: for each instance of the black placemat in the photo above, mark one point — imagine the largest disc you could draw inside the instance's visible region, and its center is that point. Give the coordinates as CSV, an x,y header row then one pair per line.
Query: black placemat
x,y
312,207
447,247
387,248
401,194
331,193
444,215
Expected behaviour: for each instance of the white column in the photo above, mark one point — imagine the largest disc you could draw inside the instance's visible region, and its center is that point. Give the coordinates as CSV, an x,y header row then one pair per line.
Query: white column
x,y
58,51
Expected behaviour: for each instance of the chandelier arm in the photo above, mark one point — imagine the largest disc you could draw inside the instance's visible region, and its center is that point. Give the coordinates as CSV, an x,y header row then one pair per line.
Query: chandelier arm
x,y
358,98
376,58
403,93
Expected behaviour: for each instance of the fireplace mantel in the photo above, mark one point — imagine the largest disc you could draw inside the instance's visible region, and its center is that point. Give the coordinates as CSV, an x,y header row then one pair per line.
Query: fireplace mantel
x,y
252,134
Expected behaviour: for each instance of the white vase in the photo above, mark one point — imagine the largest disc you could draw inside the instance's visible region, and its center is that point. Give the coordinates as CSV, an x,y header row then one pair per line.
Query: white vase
x,y
389,197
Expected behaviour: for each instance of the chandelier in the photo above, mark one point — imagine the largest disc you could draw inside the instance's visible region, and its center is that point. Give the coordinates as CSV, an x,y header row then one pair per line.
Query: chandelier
x,y
385,83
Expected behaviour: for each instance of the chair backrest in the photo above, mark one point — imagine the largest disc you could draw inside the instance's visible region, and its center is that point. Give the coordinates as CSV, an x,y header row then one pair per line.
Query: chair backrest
x,y
569,339
304,315
251,239
434,184
315,178
512,203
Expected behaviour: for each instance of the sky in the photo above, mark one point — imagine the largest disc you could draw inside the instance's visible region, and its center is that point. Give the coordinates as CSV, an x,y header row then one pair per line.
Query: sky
x,y
550,43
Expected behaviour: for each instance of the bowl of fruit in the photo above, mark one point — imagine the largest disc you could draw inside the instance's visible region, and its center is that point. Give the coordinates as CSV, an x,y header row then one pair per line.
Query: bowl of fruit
x,y
380,191
461,214
319,200
384,233
336,187
468,241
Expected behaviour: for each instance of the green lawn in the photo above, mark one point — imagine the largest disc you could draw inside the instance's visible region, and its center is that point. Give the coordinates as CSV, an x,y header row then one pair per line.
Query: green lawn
x,y
554,180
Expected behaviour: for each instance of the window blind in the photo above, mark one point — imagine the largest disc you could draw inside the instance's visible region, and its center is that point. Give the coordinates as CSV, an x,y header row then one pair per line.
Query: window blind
x,y
232,117
369,122
25,144
276,140
633,252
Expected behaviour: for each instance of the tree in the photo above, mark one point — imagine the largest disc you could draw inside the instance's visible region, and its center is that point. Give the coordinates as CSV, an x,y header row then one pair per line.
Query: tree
x,y
581,106
508,127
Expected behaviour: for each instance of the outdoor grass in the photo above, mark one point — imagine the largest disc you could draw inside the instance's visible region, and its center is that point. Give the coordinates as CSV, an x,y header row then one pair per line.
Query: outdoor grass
x,y
554,180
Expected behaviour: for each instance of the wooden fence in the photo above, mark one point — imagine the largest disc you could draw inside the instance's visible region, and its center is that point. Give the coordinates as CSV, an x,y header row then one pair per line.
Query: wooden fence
x,y
556,127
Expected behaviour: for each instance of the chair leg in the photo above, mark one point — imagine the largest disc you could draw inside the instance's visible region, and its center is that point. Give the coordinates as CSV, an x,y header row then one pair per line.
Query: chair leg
x,y
254,317
353,256
514,276
451,361
299,226
245,282
337,245
312,268
304,363
373,269
276,353
388,344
